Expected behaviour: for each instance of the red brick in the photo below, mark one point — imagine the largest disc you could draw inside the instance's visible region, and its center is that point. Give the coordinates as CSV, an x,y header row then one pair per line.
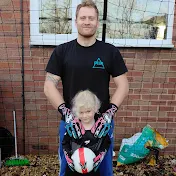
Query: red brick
x,y
172,80
171,125
164,130
172,91
173,68
53,140
159,102
148,108
52,131
171,114
150,85
131,119
134,97
38,67
124,113
44,140
135,73
5,15
150,97
158,114
53,123
131,107
163,108
38,78
171,103
141,91
165,119
168,85
148,119
168,135
125,124
167,97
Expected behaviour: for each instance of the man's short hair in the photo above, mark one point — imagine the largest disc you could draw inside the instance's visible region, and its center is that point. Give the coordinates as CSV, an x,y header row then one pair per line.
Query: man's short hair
x,y
87,3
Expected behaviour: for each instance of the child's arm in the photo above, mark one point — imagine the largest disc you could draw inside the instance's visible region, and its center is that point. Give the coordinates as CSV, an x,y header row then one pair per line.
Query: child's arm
x,y
66,145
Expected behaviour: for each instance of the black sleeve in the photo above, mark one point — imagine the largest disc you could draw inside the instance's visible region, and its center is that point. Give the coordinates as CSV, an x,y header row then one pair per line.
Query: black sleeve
x,y
55,63
66,144
102,145
105,144
118,66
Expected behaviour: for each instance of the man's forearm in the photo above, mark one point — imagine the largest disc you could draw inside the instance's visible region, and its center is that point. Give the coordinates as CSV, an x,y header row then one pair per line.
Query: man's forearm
x,y
121,91
119,96
53,94
51,91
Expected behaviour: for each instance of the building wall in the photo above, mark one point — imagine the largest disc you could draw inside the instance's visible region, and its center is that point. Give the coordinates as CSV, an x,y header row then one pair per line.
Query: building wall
x,y
152,78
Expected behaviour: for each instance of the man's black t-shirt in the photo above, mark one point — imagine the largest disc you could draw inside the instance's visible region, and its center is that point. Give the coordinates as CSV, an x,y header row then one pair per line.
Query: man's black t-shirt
x,y
82,68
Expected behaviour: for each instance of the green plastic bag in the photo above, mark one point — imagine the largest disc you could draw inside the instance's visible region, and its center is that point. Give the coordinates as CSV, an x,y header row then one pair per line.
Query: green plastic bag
x,y
135,148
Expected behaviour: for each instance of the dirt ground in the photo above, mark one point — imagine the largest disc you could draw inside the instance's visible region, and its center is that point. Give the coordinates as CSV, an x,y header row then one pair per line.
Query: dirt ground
x,y
48,165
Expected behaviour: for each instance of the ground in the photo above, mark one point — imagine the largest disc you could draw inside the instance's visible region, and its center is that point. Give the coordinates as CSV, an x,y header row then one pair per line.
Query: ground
x,y
48,165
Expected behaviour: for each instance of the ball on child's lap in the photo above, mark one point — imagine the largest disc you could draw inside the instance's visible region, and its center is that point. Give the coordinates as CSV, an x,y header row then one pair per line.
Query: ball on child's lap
x,y
83,160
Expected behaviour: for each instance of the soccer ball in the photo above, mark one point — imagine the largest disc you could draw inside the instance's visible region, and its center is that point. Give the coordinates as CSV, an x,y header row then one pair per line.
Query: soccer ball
x,y
83,160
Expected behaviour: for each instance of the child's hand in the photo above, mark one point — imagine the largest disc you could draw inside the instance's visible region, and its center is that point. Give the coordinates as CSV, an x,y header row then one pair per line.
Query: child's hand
x,y
69,161
103,124
98,159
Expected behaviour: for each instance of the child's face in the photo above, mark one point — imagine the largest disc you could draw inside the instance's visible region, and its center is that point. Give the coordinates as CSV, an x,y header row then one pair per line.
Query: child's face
x,y
86,115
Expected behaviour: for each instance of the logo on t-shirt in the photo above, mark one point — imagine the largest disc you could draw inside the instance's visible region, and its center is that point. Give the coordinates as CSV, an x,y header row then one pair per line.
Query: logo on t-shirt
x,y
98,64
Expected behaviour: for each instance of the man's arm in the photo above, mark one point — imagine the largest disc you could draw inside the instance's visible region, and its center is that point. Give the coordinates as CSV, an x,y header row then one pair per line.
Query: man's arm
x,y
74,128
103,124
51,91
122,89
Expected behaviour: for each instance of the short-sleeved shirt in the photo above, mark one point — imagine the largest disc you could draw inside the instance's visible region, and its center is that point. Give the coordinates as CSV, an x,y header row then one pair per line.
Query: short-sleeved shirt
x,y
82,68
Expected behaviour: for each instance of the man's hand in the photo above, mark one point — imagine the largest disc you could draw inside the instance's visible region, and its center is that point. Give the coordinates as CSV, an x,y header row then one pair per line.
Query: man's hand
x,y
103,124
98,159
72,124
69,161
66,113
75,129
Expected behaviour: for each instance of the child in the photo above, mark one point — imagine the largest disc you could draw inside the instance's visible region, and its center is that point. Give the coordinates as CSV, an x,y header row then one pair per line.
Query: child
x,y
85,106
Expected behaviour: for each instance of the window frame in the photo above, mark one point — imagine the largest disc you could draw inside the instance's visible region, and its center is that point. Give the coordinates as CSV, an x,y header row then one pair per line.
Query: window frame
x,y
37,38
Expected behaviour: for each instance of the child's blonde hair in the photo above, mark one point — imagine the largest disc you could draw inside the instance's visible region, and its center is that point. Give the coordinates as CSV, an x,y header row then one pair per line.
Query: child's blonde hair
x,y
85,99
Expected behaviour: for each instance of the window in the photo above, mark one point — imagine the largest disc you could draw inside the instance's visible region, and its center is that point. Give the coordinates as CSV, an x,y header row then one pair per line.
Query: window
x,y
130,23
52,21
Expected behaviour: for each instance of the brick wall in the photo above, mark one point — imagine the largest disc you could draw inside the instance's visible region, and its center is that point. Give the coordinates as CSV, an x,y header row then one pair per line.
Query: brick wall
x,y
152,77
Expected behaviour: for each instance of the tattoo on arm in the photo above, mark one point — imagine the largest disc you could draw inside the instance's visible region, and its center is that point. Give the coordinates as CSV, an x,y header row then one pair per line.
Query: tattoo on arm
x,y
50,77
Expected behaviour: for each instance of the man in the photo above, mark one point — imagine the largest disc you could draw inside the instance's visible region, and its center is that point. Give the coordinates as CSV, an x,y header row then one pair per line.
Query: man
x,y
86,63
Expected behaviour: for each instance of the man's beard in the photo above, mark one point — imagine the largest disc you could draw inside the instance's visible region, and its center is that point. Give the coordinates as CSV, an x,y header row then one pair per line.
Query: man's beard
x,y
87,35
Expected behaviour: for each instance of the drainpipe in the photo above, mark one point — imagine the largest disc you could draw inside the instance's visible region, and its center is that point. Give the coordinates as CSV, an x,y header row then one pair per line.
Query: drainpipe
x,y
22,71
104,19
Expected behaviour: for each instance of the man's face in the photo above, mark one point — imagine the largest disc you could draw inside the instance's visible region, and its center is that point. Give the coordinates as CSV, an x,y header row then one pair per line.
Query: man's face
x,y
86,115
87,22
